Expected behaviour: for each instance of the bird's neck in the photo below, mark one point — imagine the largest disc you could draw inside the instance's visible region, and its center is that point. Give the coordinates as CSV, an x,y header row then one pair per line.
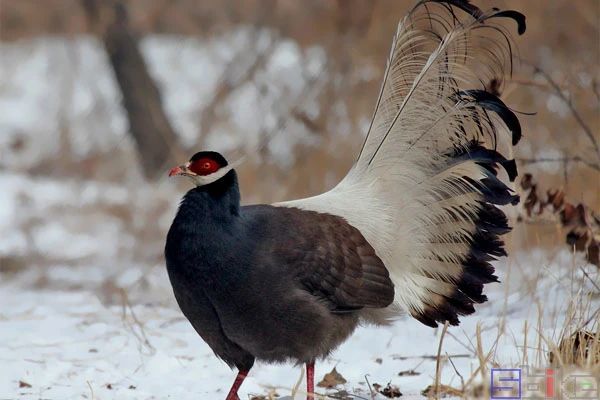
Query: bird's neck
x,y
218,201
206,222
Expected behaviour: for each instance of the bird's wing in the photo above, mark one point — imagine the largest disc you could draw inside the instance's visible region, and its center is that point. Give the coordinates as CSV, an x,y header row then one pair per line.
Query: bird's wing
x,y
424,191
330,259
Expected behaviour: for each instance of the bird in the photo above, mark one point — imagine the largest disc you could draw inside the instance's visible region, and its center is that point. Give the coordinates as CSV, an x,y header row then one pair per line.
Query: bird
x,y
412,229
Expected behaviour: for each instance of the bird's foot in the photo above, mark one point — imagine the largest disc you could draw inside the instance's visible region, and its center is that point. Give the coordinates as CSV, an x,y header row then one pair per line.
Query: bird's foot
x,y
310,380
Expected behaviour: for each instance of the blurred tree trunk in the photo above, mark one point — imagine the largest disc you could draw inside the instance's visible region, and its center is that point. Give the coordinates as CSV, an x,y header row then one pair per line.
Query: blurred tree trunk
x,y
154,136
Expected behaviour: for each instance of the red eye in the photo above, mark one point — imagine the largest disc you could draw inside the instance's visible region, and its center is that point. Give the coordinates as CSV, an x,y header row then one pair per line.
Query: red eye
x,y
204,166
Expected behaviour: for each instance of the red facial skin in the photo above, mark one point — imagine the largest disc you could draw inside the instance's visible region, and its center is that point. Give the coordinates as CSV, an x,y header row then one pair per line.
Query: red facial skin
x,y
204,166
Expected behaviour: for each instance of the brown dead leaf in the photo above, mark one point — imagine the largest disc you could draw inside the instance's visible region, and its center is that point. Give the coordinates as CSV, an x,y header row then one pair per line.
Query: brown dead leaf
x,y
530,201
556,198
23,384
527,182
444,391
583,223
331,379
391,391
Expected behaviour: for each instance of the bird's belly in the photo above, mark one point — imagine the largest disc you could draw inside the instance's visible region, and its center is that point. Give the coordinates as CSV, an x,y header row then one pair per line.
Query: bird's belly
x,y
297,327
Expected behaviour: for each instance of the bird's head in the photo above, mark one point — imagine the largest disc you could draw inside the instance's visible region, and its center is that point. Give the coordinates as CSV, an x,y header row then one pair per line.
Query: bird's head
x,y
203,168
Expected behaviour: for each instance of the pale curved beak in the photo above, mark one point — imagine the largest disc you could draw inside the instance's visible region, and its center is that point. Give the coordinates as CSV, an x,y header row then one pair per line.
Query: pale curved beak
x,y
179,170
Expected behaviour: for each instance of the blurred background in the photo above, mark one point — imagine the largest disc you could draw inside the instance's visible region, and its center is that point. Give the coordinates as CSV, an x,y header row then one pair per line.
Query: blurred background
x,y
99,98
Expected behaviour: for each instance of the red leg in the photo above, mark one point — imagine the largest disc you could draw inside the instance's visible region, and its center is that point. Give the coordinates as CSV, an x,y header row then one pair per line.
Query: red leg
x,y
310,380
236,385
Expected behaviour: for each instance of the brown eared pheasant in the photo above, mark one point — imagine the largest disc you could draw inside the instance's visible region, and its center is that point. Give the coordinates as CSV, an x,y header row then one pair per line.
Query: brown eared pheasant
x,y
412,227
